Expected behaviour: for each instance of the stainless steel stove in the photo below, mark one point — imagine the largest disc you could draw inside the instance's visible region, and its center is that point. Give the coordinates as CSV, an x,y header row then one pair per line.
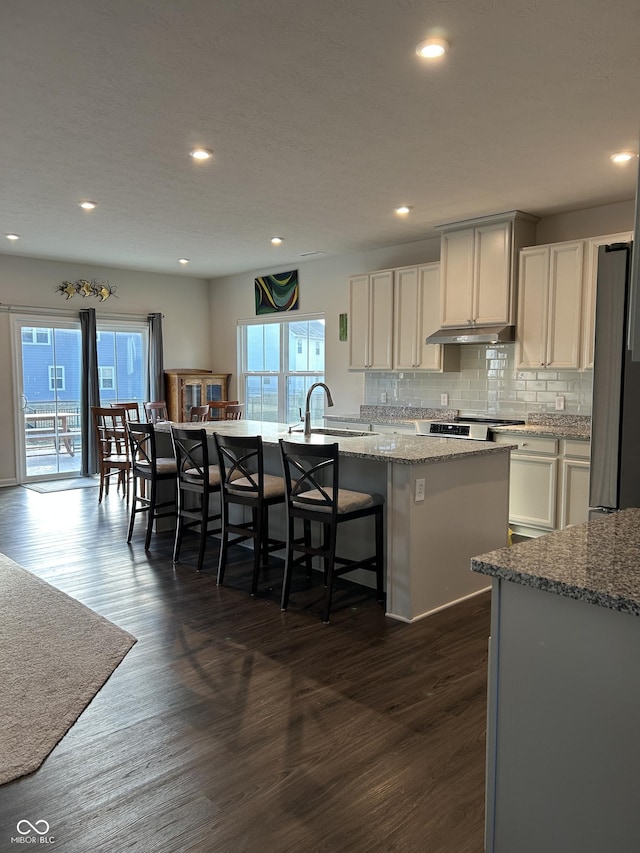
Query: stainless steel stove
x,y
475,429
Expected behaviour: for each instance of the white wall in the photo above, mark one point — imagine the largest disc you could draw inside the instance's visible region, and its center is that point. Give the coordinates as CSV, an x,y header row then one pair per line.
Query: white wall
x,y
184,302
590,222
323,289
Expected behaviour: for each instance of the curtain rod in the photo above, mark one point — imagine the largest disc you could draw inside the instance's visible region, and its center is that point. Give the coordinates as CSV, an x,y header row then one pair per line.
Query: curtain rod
x,y
7,308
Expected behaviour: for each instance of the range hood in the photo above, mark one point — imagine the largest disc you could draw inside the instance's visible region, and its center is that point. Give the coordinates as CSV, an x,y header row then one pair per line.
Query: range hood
x,y
501,334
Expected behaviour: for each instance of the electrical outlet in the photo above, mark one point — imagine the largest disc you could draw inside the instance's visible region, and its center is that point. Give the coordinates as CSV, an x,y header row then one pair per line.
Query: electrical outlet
x,y
420,489
383,397
444,399
559,403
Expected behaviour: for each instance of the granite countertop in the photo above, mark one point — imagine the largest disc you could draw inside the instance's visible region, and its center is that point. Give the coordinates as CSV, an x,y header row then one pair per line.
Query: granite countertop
x,y
549,425
403,449
547,430
597,562
552,426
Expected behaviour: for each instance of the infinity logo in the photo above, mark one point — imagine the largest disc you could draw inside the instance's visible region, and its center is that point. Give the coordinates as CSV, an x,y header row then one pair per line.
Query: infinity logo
x,y
40,826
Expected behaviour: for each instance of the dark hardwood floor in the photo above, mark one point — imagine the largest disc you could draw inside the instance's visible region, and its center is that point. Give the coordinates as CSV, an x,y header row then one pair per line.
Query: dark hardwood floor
x,y
231,726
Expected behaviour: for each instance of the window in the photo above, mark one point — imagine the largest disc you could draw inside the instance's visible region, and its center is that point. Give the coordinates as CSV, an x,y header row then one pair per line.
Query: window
x,y
122,362
33,335
106,378
56,378
279,362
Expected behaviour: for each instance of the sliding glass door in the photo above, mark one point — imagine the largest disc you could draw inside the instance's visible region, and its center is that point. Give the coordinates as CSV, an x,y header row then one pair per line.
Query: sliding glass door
x,y
48,378
49,375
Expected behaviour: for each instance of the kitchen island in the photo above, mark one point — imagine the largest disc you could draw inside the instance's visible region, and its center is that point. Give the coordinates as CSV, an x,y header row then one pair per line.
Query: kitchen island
x,y
445,500
563,751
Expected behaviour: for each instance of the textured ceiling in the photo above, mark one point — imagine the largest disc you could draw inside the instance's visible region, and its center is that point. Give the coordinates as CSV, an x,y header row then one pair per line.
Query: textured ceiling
x,y
321,116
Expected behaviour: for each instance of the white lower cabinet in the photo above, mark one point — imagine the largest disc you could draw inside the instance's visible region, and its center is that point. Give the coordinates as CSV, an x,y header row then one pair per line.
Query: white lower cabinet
x,y
394,429
549,483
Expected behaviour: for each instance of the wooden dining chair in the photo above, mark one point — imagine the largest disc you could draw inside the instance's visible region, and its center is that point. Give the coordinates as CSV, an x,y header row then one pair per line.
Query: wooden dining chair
x,y
132,410
112,447
198,414
233,412
156,412
217,409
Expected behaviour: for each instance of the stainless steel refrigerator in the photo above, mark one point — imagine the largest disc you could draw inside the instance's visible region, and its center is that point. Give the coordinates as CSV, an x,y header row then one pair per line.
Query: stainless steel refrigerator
x,y
615,419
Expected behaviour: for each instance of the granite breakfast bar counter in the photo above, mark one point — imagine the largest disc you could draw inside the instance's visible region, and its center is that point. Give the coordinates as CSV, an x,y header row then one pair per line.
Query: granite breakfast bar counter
x,y
429,541
563,753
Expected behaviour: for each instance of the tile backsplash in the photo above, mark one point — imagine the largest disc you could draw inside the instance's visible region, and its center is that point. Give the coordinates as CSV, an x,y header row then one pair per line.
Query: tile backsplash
x,y
487,382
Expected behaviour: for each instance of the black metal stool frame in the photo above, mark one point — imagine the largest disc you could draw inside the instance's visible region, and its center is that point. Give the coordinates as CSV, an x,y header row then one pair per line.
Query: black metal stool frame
x,y
195,475
144,466
242,482
314,469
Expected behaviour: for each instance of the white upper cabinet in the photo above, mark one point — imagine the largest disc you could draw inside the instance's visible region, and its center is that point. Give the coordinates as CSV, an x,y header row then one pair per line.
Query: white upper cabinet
x,y
371,320
417,314
478,268
457,294
550,300
589,294
391,314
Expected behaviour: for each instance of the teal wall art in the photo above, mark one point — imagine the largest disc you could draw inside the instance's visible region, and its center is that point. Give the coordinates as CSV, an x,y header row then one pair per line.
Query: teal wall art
x,y
277,292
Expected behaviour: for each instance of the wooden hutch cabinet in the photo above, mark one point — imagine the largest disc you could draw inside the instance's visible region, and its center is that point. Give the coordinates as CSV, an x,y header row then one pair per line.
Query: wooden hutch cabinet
x,y
189,387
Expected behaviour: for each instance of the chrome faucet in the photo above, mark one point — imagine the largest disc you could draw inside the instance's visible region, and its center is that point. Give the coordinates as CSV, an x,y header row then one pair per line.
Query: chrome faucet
x,y
307,413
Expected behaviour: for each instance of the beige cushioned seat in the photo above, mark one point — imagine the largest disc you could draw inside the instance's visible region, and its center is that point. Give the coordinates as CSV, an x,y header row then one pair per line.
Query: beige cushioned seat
x,y
273,485
348,501
164,465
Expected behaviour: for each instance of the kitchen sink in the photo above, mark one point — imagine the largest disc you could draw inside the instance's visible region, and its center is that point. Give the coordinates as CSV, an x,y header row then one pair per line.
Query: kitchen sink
x,y
338,433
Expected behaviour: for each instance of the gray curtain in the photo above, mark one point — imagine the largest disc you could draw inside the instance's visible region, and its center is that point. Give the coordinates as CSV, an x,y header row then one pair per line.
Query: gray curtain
x,y
156,365
89,391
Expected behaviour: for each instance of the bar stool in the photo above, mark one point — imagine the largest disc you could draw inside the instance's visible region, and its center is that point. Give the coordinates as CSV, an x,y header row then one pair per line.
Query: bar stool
x,y
151,469
197,477
244,483
311,474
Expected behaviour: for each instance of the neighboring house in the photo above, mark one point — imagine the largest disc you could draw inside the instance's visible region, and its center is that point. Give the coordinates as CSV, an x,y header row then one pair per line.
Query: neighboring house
x,y
51,366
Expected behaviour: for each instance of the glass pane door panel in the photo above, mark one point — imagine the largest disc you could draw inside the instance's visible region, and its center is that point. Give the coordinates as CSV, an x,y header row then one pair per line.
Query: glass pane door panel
x,y
51,375
192,396
214,392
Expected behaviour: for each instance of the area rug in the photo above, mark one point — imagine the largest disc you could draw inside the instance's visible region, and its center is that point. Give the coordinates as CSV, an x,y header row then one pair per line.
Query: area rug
x,y
46,486
55,655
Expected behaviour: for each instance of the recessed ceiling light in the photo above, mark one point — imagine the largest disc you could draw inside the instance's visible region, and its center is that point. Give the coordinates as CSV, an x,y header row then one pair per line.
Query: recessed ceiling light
x,y
277,240
622,157
201,154
432,47
12,236
403,210
88,205
183,260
